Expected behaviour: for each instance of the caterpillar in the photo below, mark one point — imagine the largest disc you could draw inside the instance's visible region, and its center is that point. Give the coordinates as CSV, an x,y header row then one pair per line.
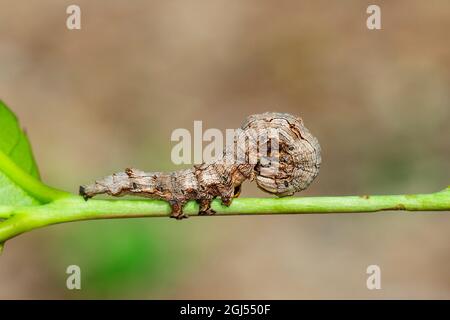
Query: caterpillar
x,y
276,150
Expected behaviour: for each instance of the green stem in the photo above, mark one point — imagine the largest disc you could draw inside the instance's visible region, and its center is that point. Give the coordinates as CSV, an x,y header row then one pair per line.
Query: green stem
x,y
74,208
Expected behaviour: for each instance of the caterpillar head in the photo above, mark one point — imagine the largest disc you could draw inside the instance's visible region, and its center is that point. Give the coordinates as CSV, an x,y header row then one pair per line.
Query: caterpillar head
x,y
288,154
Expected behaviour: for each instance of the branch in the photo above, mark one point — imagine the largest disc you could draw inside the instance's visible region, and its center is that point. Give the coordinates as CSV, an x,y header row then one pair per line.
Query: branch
x,y
73,208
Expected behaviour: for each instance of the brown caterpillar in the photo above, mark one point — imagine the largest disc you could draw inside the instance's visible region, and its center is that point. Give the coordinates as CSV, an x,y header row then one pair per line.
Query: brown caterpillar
x,y
282,167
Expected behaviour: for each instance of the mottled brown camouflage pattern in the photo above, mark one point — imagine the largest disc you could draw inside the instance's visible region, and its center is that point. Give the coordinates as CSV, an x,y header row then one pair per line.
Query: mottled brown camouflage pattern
x,y
282,162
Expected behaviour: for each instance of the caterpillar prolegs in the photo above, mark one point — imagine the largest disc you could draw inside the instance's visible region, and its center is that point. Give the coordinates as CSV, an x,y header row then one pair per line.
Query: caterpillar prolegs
x,y
274,149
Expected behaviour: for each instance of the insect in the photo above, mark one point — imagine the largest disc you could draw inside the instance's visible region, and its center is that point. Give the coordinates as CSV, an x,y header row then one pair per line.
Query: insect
x,y
274,149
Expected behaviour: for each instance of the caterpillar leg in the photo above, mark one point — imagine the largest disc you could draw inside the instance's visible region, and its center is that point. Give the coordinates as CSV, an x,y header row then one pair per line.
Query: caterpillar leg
x,y
228,194
177,210
226,201
237,191
227,198
205,207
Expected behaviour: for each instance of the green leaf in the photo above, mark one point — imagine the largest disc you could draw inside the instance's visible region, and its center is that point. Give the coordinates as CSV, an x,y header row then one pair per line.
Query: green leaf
x,y
14,142
11,194
15,146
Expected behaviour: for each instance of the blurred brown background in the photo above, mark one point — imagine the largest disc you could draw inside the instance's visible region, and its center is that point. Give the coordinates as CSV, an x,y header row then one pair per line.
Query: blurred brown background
x,y
108,96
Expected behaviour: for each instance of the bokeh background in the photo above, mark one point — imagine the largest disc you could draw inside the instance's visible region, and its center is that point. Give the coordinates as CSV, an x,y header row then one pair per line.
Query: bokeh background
x,y
108,96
